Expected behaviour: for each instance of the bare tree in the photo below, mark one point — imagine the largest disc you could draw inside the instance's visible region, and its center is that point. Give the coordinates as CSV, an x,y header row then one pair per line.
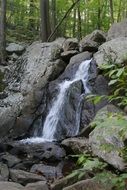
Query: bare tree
x,y
3,32
111,11
45,24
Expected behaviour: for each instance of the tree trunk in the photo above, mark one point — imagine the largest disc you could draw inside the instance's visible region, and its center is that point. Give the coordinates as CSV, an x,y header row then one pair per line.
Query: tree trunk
x,y
53,18
111,11
79,23
3,33
45,26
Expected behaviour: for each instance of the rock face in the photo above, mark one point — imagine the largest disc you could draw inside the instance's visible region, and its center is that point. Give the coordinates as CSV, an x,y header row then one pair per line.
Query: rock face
x,y
109,136
118,30
10,186
113,51
23,177
92,41
26,90
41,185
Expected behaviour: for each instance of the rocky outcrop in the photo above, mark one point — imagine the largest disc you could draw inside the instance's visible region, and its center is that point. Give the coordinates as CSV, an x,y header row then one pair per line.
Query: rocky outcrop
x,y
10,186
113,51
15,48
92,41
109,136
27,80
41,185
117,30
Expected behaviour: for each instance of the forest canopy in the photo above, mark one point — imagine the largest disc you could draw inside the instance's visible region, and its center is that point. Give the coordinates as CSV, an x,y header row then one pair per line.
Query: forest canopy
x,y
23,17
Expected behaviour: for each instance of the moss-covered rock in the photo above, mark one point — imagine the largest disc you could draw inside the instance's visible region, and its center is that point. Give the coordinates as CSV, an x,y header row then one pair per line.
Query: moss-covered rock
x,y
108,139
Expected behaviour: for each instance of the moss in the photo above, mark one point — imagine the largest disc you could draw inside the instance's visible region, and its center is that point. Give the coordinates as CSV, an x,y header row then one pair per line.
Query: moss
x,y
2,84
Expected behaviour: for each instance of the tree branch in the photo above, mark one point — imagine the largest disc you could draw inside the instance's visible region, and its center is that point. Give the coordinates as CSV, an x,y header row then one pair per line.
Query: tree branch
x,y
64,17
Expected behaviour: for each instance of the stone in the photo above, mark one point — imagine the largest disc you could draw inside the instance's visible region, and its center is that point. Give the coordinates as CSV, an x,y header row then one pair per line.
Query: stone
x,y
10,186
41,185
15,48
66,55
39,64
4,172
76,145
39,151
88,184
50,172
10,160
117,30
113,51
22,177
92,41
70,44
108,138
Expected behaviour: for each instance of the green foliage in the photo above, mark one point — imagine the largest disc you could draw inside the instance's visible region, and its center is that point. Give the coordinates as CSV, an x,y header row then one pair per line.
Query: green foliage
x,y
117,74
117,182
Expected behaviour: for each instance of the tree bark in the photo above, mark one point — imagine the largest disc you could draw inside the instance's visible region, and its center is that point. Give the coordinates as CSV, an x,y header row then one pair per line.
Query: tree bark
x,y
53,17
111,11
45,23
3,33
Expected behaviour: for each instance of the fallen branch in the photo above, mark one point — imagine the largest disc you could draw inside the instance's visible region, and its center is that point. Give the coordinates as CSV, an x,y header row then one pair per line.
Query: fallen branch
x,y
64,17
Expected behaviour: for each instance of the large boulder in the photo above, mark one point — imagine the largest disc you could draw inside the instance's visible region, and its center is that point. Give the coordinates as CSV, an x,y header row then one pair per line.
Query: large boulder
x,y
41,185
114,51
92,41
118,30
108,139
27,80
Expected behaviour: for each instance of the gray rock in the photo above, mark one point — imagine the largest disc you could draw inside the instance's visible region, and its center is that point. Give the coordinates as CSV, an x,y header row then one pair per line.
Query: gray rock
x,y
108,137
70,44
10,160
92,41
27,80
88,184
66,55
22,177
50,172
77,145
10,186
4,172
118,30
113,51
41,185
15,48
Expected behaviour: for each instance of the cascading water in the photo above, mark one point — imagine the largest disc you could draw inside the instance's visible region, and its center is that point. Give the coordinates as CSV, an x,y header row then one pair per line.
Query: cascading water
x,y
52,119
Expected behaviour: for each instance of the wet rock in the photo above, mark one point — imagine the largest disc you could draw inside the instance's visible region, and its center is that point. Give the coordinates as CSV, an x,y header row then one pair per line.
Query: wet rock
x,y
50,172
70,44
118,30
10,160
15,48
66,55
10,186
4,172
22,177
108,137
76,145
88,184
41,151
41,185
92,41
113,51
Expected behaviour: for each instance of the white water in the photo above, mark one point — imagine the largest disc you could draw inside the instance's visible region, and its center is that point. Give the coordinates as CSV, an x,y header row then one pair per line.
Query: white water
x,y
52,118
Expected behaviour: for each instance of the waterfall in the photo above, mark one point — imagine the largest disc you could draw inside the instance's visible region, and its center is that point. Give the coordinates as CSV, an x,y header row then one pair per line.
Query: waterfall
x,y
52,119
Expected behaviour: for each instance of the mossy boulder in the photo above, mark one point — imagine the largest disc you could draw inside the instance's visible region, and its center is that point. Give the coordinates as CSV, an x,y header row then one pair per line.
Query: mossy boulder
x,y
108,139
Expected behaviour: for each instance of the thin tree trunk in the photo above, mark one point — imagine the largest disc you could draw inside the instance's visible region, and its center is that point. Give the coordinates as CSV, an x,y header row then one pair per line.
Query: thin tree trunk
x,y
74,22
53,17
3,33
111,11
45,26
79,23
